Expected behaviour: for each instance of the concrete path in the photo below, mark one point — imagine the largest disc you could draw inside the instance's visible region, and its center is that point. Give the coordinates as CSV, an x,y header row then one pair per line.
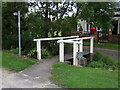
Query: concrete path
x,y
36,76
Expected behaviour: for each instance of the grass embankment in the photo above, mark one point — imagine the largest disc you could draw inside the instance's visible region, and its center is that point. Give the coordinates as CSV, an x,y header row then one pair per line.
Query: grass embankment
x,y
68,76
15,63
108,45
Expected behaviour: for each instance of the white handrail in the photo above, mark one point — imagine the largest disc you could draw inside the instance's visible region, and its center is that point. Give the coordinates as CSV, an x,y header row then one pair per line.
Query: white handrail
x,y
44,39
77,46
55,38
76,39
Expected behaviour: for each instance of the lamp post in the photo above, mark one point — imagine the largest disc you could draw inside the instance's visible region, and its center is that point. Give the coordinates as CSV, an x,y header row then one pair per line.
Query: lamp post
x,y
19,37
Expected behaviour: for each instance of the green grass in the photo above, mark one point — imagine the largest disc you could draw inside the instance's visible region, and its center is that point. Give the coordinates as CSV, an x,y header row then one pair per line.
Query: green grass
x,y
15,63
0,58
68,76
108,45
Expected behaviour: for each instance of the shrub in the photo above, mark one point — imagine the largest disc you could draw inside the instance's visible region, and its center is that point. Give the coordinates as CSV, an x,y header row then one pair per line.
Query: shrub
x,y
96,64
45,53
14,51
97,56
10,41
103,61
33,53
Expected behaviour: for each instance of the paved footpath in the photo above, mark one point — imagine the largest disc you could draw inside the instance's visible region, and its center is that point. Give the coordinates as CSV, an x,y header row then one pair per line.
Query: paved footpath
x,y
36,76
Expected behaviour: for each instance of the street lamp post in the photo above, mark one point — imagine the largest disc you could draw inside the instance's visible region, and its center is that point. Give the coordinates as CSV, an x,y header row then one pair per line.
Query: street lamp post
x,y
19,37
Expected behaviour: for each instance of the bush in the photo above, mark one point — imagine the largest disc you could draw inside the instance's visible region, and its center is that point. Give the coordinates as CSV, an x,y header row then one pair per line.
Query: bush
x,y
96,64
97,56
45,53
103,61
33,53
10,41
14,51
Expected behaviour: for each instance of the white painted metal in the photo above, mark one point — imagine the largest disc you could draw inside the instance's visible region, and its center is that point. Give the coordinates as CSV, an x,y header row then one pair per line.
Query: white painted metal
x,y
61,51
72,40
75,50
81,45
39,50
19,36
44,39
77,45
55,38
91,45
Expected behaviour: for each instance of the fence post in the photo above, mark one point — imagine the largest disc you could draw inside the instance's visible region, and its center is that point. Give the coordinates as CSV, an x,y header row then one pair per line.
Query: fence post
x,y
39,50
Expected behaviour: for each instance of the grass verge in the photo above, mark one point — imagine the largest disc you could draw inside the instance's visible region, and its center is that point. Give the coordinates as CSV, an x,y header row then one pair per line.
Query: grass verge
x,y
15,63
108,45
68,76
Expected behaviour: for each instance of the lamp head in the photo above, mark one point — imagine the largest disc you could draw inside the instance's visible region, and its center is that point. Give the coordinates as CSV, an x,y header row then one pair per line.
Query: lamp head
x,y
15,13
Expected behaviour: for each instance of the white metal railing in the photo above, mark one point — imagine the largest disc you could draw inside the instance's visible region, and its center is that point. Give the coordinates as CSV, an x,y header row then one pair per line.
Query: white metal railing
x,y
44,39
77,46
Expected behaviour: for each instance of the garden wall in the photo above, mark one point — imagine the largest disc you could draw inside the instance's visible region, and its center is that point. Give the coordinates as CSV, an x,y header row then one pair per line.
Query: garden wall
x,y
114,38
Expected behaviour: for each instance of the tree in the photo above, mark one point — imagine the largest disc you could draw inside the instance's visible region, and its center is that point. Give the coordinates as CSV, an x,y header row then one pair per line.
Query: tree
x,y
51,11
9,22
98,14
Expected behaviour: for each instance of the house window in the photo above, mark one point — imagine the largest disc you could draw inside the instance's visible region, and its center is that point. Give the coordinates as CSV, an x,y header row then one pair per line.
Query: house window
x,y
87,27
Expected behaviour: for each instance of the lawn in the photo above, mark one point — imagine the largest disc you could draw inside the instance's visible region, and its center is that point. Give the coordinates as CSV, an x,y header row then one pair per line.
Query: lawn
x,y
0,58
68,76
15,63
108,45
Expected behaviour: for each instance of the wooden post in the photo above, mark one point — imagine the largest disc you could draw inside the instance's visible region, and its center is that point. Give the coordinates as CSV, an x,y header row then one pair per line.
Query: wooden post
x,y
75,50
61,51
91,45
39,50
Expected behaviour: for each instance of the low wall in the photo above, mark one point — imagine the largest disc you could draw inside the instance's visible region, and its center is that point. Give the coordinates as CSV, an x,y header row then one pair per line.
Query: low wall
x,y
114,38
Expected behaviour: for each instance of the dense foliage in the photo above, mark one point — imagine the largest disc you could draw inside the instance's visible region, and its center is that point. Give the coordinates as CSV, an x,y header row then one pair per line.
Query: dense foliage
x,y
9,23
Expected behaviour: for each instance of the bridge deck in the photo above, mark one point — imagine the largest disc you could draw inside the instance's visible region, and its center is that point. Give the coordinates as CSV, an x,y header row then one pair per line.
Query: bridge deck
x,y
70,56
